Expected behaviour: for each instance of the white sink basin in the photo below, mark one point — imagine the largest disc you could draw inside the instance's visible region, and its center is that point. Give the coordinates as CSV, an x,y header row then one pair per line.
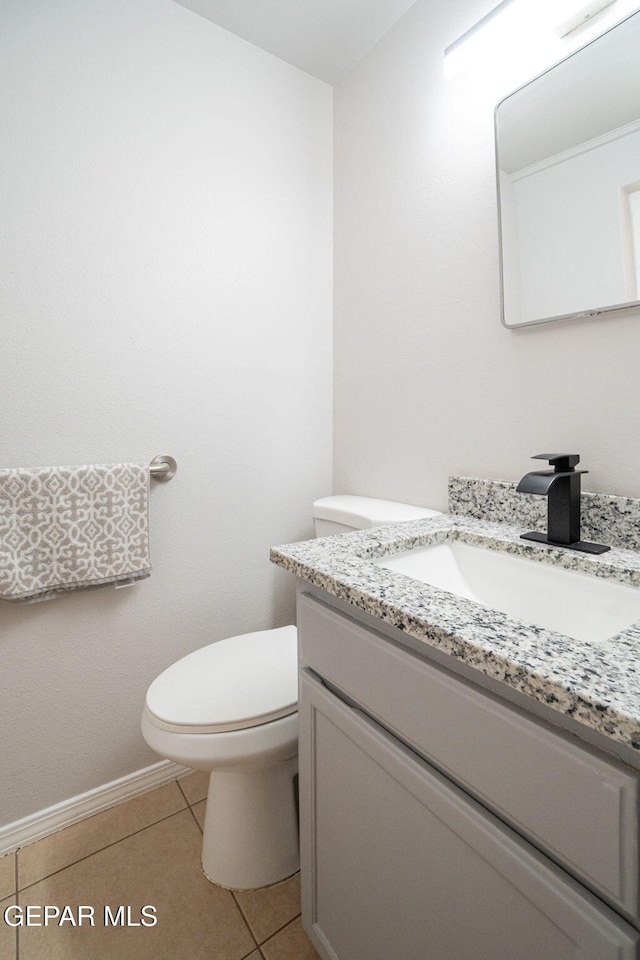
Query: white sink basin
x,y
572,603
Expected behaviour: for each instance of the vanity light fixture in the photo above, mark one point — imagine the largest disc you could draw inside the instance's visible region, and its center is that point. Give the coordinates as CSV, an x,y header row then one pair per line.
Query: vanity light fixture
x,y
461,51
527,23
577,18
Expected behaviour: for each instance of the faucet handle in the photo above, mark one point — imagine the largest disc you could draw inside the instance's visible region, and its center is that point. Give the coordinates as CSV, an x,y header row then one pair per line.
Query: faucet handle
x,y
561,462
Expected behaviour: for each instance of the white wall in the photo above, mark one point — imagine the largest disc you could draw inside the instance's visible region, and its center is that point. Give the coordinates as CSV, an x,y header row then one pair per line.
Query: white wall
x,y
165,264
427,381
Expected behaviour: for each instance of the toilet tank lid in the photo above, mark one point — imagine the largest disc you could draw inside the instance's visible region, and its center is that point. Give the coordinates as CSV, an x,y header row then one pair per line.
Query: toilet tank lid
x,y
363,512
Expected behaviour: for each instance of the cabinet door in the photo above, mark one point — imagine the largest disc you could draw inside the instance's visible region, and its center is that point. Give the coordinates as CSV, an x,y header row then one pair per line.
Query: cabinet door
x,y
397,862
548,786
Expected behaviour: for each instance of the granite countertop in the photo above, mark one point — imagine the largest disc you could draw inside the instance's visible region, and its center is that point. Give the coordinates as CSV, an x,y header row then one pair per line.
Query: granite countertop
x,y
594,682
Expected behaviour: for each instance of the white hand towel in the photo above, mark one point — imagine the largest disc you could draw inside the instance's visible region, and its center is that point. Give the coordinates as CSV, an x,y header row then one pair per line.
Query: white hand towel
x,y
71,528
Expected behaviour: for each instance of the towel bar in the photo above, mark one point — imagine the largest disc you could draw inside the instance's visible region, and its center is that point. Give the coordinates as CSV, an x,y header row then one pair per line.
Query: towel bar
x,y
163,467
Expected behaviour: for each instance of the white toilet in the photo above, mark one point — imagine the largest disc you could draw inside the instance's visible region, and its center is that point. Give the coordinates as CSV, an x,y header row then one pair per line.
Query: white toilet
x,y
231,708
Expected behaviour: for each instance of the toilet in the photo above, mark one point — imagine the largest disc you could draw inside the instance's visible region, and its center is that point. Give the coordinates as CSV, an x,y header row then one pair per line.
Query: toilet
x,y
230,708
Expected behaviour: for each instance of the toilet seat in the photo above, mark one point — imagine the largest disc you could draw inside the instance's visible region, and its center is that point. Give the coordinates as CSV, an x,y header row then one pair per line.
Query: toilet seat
x,y
237,683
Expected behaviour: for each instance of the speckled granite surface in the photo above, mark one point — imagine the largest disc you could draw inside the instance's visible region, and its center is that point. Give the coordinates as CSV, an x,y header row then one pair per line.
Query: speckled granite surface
x,y
595,682
614,521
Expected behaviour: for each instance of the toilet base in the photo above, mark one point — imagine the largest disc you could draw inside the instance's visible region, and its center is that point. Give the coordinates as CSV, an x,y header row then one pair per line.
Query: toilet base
x,y
251,826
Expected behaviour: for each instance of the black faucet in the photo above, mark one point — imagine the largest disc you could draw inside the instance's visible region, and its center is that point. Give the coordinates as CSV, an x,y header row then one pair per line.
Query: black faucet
x,y
561,487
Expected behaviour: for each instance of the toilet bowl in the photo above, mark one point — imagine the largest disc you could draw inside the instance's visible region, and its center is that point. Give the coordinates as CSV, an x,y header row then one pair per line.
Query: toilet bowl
x,y
230,708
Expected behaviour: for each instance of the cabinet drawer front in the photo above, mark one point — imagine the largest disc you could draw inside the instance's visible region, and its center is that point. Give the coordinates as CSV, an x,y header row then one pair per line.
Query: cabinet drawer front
x,y
575,804
398,862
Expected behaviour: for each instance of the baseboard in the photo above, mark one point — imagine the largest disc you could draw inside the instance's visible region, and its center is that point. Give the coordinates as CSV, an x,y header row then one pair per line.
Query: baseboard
x,y
41,824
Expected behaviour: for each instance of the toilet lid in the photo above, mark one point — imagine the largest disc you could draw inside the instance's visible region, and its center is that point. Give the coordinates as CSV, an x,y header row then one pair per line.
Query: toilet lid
x,y
238,682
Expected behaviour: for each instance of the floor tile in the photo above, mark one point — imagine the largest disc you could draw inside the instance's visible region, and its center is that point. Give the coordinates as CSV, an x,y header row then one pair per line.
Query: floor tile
x,y
199,810
7,934
269,909
61,849
292,943
7,875
159,866
195,785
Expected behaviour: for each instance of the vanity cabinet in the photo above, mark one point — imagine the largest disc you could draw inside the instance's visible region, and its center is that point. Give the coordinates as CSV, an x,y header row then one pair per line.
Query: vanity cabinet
x,y
416,845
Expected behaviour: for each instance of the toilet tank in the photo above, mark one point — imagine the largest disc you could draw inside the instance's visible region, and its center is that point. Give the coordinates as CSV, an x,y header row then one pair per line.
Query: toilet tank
x,y
340,514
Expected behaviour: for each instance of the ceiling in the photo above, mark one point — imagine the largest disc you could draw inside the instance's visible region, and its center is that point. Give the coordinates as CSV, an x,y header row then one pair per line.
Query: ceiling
x,y
325,38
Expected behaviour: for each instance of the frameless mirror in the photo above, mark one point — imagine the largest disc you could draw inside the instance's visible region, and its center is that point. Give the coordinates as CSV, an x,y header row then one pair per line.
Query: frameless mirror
x,y
568,169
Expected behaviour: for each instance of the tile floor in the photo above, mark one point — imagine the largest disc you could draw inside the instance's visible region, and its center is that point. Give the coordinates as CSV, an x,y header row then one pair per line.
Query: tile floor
x,y
145,851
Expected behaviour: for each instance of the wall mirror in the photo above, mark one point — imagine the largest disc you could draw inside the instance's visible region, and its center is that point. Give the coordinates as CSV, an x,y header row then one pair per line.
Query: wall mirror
x,y
568,170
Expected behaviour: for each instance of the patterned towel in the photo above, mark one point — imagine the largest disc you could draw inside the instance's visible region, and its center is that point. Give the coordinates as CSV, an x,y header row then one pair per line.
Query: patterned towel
x,y
69,528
